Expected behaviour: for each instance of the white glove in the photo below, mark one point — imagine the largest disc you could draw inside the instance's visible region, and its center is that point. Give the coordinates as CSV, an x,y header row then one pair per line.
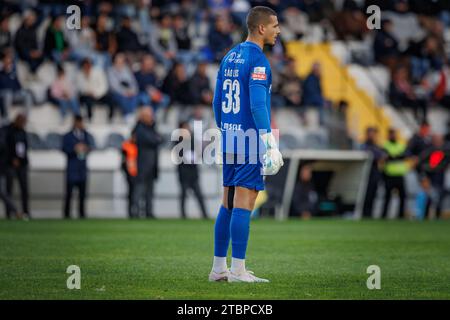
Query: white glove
x,y
272,159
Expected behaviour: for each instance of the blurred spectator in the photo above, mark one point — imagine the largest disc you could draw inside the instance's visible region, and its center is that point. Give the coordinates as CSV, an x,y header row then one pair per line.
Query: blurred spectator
x,y
349,23
11,90
176,85
92,85
425,56
219,7
295,24
147,140
128,41
434,161
17,153
420,141
163,43
130,169
239,11
371,146
423,198
26,42
312,91
402,94
180,31
290,84
149,83
83,43
305,199
195,114
200,87
219,38
184,53
340,132
395,169
56,46
406,26
63,92
440,83
188,173
5,34
386,45
447,135
9,204
106,42
123,86
76,145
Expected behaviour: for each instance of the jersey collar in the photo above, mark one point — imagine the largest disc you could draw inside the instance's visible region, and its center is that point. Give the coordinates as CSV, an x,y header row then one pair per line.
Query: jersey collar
x,y
252,44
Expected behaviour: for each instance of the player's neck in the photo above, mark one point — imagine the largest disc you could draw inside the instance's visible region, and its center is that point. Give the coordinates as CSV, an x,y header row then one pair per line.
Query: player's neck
x,y
259,42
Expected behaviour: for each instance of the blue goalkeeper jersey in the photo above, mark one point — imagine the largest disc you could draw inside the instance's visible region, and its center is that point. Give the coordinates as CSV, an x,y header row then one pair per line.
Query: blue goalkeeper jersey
x,y
242,92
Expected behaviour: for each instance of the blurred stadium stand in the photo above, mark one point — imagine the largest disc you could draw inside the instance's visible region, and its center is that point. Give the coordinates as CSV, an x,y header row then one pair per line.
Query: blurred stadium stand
x,y
349,73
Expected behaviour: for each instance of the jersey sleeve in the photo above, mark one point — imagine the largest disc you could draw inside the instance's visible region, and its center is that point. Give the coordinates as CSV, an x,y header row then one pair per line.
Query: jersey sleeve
x,y
259,71
258,88
217,100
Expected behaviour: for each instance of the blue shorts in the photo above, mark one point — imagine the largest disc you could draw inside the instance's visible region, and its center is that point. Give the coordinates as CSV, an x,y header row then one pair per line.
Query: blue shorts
x,y
242,173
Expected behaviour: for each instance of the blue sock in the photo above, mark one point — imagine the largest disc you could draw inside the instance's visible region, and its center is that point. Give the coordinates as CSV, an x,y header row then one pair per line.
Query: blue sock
x,y
222,232
240,228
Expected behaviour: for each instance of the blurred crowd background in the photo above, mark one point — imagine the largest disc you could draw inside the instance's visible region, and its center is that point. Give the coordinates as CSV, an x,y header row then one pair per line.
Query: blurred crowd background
x,y
136,70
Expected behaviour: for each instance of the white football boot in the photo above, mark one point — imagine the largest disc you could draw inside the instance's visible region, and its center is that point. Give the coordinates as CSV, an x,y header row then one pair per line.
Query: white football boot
x,y
222,276
246,276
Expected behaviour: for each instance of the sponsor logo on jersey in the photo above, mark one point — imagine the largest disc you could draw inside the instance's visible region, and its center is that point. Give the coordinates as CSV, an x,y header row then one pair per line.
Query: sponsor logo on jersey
x,y
259,73
236,58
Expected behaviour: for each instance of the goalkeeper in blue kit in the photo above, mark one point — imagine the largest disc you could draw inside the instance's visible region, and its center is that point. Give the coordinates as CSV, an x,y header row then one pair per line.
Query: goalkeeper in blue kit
x,y
242,111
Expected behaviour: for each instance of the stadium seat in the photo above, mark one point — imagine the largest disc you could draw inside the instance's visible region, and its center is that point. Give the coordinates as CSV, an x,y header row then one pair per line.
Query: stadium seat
x,y
35,142
54,141
114,141
316,140
289,141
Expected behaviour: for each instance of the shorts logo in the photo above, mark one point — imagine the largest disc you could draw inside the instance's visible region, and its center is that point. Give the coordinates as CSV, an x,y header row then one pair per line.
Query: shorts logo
x,y
259,73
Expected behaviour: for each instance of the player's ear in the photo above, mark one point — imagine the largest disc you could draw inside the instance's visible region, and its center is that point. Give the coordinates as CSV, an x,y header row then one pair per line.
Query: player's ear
x,y
261,29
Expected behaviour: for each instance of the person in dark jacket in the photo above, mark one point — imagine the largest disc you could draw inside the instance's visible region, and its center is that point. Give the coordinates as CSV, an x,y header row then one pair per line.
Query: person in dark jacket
x,y
200,87
11,91
147,140
56,47
17,163
312,91
305,200
76,145
434,162
5,34
149,83
188,174
9,204
219,38
26,43
420,141
386,45
127,39
375,176
176,85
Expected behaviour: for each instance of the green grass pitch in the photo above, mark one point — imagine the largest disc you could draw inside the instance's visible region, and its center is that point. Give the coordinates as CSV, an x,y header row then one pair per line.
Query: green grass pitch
x,y
171,259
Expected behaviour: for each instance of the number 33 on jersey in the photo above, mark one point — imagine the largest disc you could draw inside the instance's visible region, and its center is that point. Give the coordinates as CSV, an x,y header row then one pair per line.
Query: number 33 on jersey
x,y
244,66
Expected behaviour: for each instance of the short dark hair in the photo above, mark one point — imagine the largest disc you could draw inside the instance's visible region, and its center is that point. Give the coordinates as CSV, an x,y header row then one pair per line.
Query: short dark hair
x,y
78,118
258,15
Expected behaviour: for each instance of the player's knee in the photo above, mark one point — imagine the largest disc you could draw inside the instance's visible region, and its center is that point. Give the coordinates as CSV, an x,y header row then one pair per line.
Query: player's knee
x,y
245,199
